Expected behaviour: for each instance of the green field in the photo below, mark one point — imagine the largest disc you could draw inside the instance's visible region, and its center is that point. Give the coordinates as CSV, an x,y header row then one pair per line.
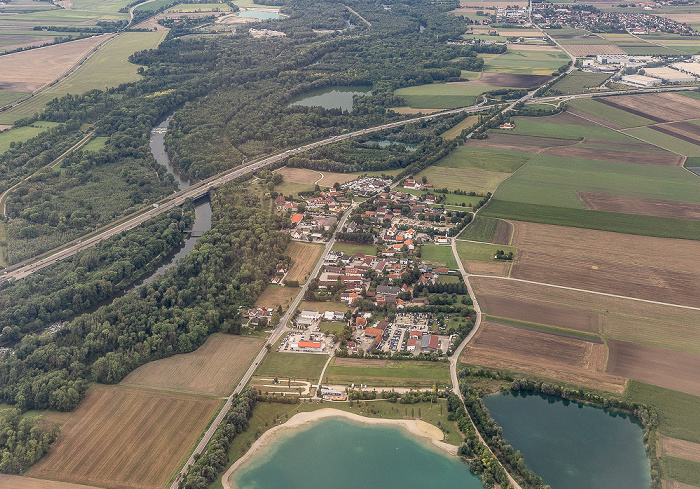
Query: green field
x,y
603,221
527,62
331,327
681,470
440,256
453,200
201,7
396,374
480,229
481,251
441,96
108,67
296,365
577,82
96,143
679,413
494,160
548,127
554,181
351,249
665,141
467,179
7,97
22,134
612,114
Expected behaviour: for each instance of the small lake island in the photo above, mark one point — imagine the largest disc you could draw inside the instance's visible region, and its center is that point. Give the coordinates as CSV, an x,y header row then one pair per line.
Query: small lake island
x,y
333,448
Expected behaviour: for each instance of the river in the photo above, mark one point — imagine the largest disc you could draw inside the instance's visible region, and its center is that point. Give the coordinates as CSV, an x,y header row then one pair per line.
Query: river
x,y
573,445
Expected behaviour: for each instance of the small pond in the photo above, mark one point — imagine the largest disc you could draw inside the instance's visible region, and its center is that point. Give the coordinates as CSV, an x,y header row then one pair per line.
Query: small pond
x,y
259,14
331,97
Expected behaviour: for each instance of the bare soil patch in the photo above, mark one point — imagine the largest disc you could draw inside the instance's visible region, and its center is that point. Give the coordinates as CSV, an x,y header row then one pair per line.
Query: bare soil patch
x,y
126,438
671,369
658,107
493,268
514,142
16,481
679,448
213,369
600,154
504,232
636,205
560,357
27,71
685,131
506,80
299,175
358,362
622,319
305,256
583,50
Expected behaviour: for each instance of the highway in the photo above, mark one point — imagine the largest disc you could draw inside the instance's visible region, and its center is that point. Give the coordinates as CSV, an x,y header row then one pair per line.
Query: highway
x,y
197,190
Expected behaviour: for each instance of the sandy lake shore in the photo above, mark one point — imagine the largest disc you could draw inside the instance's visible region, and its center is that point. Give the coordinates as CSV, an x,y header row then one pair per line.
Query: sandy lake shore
x,y
415,427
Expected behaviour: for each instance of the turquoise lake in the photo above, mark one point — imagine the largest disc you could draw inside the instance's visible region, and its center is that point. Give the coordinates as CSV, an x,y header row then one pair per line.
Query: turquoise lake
x,y
259,14
340,454
572,445
331,97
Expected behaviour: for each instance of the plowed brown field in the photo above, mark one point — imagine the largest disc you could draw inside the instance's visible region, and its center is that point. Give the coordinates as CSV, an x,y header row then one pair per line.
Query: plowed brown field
x,y
17,482
514,142
608,262
213,369
679,448
304,256
636,205
675,370
599,154
126,439
493,268
659,107
622,319
504,232
545,354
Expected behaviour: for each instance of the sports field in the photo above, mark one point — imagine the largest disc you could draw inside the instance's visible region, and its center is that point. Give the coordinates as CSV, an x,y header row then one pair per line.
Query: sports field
x,y
304,257
213,369
126,438
108,67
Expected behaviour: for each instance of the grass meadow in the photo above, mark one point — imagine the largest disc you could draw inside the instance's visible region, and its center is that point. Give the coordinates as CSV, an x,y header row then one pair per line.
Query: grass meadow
x,y
548,128
612,114
441,96
480,229
495,160
527,62
396,374
438,255
481,251
296,365
578,82
665,141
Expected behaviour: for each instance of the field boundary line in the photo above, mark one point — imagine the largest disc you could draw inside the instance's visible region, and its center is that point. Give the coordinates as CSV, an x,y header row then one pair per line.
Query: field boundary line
x,y
607,294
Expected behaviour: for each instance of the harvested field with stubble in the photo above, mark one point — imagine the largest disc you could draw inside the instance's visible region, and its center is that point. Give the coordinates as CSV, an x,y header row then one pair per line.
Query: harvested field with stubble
x,y
495,268
675,370
608,262
658,107
213,369
514,142
27,71
15,481
583,50
299,175
556,356
614,318
600,154
304,256
277,295
678,448
637,205
126,438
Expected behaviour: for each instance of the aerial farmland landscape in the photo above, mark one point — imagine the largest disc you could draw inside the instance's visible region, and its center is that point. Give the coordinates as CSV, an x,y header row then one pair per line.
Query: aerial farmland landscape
x,y
304,244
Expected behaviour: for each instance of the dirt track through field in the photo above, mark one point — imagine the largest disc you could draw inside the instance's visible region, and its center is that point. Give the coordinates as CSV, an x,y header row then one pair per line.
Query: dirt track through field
x,y
636,205
541,353
671,369
126,439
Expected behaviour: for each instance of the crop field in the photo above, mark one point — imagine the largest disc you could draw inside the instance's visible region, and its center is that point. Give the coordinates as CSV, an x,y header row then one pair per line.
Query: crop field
x,y
467,179
653,365
687,131
351,248
585,152
440,256
394,373
108,67
213,369
679,413
658,107
607,114
496,268
679,448
636,205
484,159
614,318
527,62
566,358
481,251
126,438
581,50
457,129
323,306
578,82
277,295
15,481
299,175
685,471
284,365
304,256
512,142
480,229
562,126
441,95
665,141
510,80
